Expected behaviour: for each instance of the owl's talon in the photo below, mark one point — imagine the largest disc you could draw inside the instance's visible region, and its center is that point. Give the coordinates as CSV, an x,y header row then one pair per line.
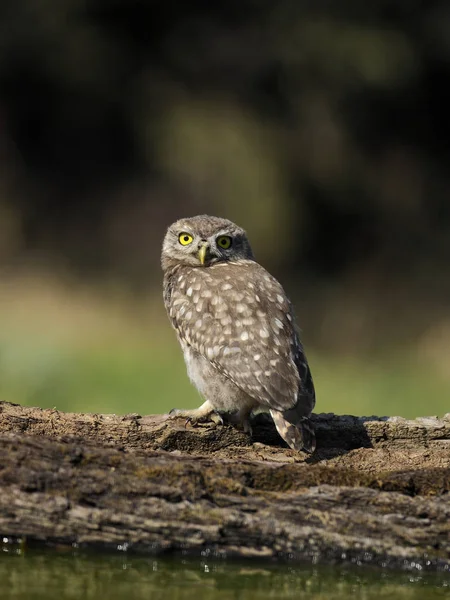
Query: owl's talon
x,y
216,418
213,417
197,415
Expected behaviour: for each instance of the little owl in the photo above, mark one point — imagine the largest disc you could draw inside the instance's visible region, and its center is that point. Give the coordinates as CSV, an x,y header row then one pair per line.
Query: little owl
x,y
236,329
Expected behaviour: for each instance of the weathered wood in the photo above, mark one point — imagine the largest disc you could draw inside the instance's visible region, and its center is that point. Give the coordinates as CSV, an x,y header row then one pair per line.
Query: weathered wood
x,y
377,489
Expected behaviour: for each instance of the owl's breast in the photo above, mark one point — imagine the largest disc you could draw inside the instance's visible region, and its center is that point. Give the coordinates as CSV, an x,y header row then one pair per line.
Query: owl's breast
x,y
237,317
215,386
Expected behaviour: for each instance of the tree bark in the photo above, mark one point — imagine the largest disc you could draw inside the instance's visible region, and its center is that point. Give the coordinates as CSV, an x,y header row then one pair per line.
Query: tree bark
x,y
376,490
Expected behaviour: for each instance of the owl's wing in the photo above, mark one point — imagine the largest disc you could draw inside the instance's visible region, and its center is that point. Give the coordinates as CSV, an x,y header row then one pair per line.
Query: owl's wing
x,y
306,393
238,317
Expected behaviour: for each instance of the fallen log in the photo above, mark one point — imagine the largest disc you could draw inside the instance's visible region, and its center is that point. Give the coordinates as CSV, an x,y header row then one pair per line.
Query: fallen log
x,y
376,490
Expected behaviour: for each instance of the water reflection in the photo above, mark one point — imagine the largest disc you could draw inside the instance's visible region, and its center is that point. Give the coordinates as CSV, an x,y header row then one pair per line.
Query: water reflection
x,y
71,574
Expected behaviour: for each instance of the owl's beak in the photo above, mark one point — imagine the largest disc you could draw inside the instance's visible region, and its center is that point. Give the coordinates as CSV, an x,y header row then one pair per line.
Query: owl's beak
x,y
202,252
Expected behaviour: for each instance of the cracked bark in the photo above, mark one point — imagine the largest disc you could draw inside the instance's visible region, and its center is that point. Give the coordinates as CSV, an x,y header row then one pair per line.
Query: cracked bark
x,y
376,490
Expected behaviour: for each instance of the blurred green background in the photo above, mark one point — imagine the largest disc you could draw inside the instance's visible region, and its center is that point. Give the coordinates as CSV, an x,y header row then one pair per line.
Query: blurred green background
x,y
321,128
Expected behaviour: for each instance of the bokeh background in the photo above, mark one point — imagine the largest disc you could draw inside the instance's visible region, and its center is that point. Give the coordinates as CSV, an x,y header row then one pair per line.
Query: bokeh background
x,y
320,127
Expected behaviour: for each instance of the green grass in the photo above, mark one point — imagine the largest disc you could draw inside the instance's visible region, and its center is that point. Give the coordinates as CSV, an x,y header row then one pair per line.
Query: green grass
x,y
77,350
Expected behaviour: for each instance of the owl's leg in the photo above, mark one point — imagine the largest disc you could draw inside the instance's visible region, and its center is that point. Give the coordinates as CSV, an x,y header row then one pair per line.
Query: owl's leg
x,y
241,419
203,413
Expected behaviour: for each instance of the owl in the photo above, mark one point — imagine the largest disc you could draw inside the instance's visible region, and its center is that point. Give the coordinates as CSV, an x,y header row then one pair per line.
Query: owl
x,y
237,331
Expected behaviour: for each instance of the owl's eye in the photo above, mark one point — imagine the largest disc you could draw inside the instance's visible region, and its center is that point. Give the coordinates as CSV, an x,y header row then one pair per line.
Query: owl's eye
x,y
224,241
185,238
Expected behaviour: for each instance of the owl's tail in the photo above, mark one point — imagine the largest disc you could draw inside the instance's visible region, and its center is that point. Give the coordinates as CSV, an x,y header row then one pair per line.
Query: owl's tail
x,y
299,436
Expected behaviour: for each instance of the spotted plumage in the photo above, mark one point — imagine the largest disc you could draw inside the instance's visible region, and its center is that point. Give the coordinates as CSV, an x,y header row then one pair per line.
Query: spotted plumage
x,y
236,328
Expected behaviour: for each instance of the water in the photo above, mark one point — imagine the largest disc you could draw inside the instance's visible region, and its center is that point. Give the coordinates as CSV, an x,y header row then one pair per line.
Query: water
x,y
70,575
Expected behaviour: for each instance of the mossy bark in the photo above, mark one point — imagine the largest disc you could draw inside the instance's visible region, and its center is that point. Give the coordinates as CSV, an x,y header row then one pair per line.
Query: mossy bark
x,y
376,490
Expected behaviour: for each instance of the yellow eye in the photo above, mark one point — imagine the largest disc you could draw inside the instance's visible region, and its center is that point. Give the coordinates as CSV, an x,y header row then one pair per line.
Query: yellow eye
x,y
224,241
185,238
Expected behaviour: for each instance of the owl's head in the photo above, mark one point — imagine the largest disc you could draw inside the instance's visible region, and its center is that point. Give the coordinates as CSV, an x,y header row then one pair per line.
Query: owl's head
x,y
203,241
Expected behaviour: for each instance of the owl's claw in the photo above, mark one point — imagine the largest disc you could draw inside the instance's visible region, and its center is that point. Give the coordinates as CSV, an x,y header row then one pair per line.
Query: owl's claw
x,y
214,417
196,416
